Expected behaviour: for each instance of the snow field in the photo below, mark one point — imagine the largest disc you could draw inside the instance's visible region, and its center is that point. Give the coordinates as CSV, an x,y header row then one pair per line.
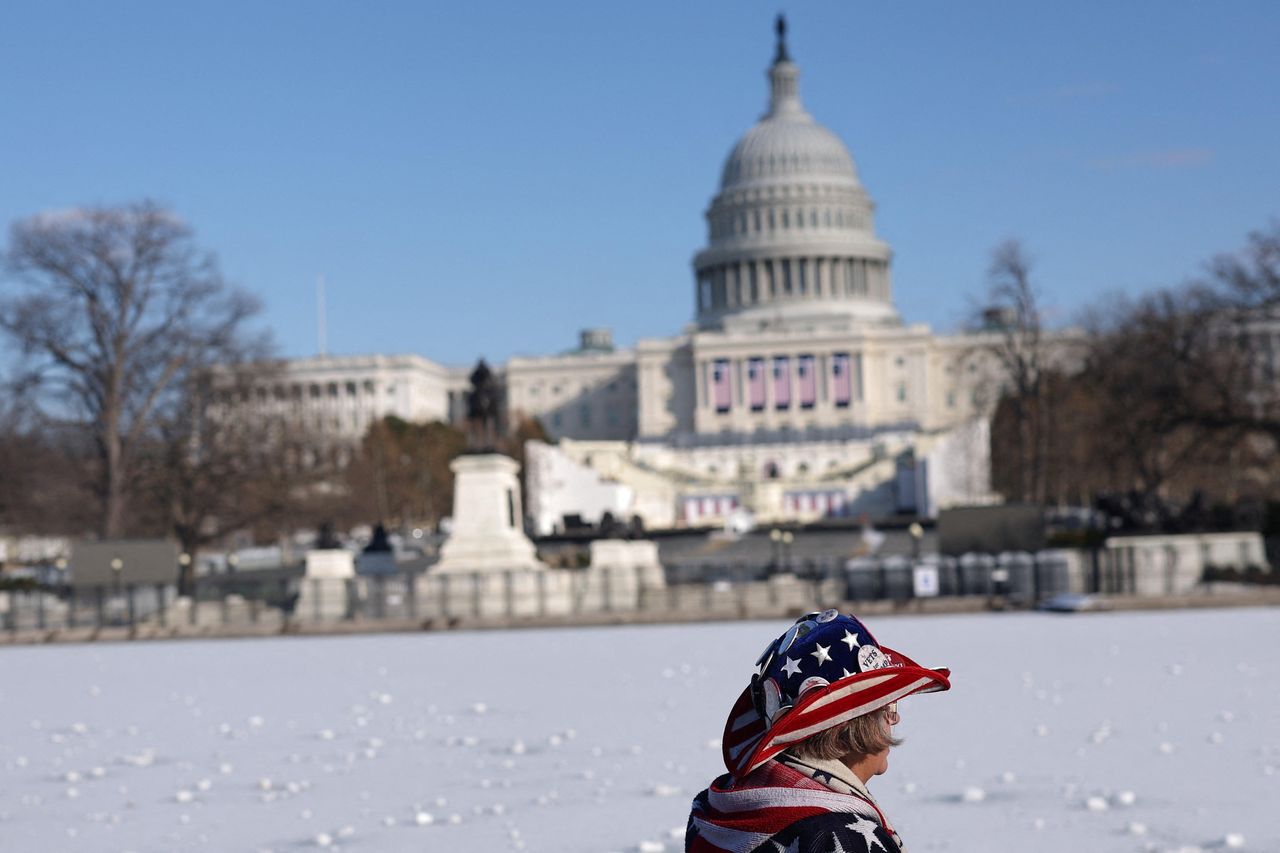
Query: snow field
x,y
1125,732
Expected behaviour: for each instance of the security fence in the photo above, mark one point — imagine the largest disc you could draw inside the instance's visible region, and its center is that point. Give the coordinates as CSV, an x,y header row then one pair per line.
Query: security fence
x,y
283,599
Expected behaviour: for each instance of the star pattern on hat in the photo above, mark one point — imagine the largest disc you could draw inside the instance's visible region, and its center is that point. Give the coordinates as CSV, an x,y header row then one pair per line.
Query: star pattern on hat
x,y
791,667
867,829
822,653
850,639
793,847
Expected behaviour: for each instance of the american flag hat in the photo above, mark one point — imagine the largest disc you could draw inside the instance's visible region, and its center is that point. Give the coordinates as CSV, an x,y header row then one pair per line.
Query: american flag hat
x,y
825,670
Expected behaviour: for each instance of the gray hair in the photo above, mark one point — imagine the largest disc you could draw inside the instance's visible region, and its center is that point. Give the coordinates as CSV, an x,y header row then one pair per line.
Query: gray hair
x,y
865,735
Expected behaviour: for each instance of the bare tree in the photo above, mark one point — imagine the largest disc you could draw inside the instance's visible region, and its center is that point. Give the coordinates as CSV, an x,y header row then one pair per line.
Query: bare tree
x,y
1176,405
1231,369
224,457
112,307
1013,328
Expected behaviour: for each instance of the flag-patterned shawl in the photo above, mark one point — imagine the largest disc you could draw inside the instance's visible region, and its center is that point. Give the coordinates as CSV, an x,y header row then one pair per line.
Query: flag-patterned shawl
x,y
778,809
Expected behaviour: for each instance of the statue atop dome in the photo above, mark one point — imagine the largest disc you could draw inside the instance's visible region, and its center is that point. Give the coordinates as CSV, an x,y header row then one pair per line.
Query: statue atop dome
x,y
780,27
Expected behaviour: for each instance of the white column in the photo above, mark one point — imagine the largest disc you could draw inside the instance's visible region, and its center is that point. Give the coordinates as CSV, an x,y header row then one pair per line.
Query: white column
x,y
699,381
739,400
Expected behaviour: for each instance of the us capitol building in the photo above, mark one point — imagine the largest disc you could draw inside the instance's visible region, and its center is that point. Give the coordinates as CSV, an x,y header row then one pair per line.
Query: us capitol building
x,y
799,392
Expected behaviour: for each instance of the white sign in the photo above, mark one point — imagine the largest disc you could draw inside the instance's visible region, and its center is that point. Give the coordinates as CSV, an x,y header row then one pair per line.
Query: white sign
x,y
925,579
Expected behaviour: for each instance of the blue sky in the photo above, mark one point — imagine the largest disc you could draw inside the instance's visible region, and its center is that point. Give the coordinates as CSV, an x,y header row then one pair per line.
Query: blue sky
x,y
488,178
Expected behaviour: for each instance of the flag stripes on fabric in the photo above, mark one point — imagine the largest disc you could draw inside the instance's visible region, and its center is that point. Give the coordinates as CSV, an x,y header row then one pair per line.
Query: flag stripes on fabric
x,y
737,818
841,383
755,384
708,506
832,503
749,741
781,382
722,387
808,383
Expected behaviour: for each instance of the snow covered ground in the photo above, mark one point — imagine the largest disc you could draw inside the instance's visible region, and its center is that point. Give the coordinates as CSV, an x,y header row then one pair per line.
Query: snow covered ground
x,y
1126,732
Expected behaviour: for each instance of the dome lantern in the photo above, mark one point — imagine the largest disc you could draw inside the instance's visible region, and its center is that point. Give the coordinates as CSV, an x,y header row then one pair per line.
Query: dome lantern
x,y
784,79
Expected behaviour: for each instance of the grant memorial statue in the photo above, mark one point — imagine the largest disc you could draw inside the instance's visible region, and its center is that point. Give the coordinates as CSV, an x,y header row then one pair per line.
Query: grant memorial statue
x,y
488,520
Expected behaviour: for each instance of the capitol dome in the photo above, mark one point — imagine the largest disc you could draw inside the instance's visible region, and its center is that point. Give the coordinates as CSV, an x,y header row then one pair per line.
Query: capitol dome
x,y
786,150
791,230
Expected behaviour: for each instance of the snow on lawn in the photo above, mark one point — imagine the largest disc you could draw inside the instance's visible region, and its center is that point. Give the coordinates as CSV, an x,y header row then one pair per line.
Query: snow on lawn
x,y
1127,732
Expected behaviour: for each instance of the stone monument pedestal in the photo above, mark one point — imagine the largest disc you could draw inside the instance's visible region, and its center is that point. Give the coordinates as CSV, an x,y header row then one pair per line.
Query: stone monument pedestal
x,y
488,523
325,592
639,558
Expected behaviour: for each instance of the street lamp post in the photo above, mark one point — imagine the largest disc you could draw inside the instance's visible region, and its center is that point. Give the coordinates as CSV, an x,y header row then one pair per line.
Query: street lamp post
x,y
775,547
787,538
917,533
117,569
184,574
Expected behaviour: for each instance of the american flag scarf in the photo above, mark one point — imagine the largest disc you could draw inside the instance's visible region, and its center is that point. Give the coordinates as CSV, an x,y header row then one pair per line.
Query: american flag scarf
x,y
749,815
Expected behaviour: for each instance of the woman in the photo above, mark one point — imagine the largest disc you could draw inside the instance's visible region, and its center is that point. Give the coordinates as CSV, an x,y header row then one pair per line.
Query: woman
x,y
802,741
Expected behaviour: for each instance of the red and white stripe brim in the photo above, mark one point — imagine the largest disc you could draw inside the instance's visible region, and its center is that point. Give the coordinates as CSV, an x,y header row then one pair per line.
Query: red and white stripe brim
x,y
749,741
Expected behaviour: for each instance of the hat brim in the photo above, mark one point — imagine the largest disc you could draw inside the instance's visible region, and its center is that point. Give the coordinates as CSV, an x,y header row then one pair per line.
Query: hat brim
x,y
750,741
